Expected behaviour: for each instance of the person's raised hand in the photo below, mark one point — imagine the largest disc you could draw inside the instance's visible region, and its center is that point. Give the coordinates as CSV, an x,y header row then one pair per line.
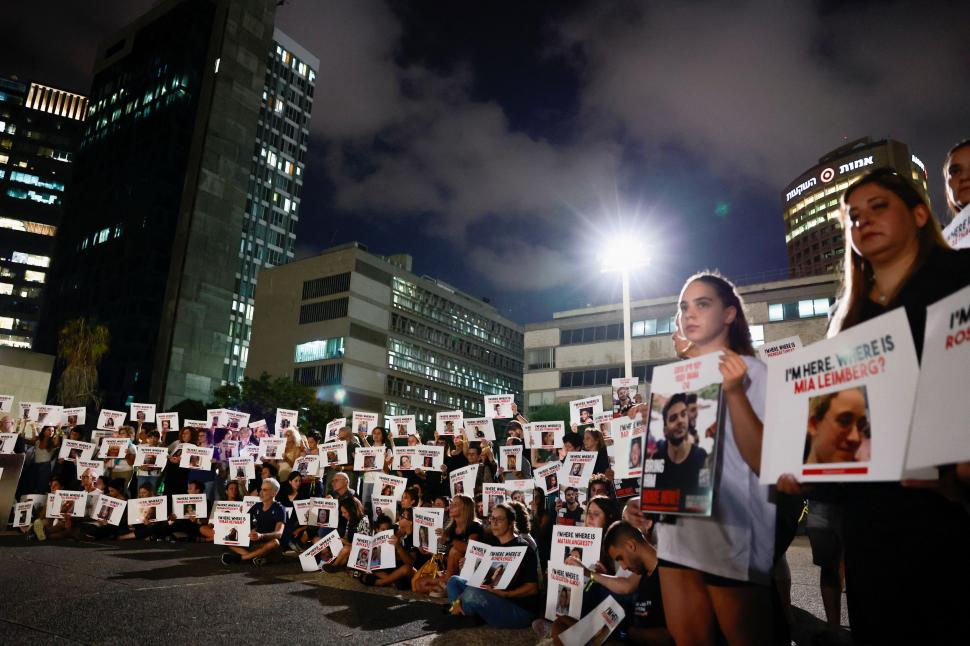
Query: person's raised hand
x,y
733,370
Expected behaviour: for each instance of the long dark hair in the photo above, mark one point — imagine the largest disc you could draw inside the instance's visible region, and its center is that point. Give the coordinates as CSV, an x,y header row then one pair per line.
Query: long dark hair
x,y
857,276
739,336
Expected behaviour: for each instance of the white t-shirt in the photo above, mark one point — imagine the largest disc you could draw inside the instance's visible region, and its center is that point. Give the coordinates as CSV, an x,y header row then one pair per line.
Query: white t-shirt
x,y
738,539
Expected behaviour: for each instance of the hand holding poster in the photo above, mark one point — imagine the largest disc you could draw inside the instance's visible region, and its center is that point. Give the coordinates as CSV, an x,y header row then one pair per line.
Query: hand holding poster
x,y
28,410
779,347
479,428
626,394
371,553
388,485
564,596
498,567
196,457
581,543
463,480
75,450
546,435
333,453
402,425
629,439
581,411
114,447
363,423
595,627
547,477
231,529
679,476
939,434
577,469
369,458
333,429
840,409
110,510
285,420
167,422
321,553
448,422
383,506
510,458
426,521
111,420
190,506
141,413
499,406
272,448
145,511
66,503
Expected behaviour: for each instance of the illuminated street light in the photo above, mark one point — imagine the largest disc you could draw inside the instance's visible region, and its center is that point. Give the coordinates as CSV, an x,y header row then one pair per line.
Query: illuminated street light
x,y
623,255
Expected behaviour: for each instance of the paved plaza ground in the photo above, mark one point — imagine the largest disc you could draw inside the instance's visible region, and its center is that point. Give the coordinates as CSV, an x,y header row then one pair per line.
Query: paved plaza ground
x,y
134,592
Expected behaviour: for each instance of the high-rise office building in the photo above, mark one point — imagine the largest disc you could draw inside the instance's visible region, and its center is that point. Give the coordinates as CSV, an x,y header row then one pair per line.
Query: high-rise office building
x,y
813,226
150,242
369,334
39,131
275,185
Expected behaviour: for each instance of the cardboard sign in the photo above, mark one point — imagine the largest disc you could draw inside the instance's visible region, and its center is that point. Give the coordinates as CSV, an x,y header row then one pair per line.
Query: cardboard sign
x,y
629,447
779,347
581,411
401,426
111,420
426,521
167,422
474,554
369,458
679,475
840,409
49,415
582,543
141,413
28,410
285,420
196,457
388,485
23,514
546,435
564,595
626,394
493,493
372,553
8,441
521,490
479,428
235,420
74,450
497,567
75,416
214,418
326,511
939,434
448,422
67,503
577,469
6,404
114,447
272,448
307,465
227,507
333,453
383,506
499,406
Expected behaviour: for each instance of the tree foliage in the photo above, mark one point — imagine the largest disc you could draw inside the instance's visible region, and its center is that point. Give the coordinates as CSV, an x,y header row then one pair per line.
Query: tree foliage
x,y
550,413
81,344
261,397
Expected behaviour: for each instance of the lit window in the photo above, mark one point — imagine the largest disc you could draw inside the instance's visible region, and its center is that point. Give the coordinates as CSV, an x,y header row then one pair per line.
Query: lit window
x,y
806,309
637,328
319,350
30,259
757,335
776,312
34,276
6,288
650,327
6,322
821,306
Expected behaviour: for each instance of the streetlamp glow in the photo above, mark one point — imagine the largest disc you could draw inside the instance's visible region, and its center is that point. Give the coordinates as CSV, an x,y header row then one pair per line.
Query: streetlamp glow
x,y
623,255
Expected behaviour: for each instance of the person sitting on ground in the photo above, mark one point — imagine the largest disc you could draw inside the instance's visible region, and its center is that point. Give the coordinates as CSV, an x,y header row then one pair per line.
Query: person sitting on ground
x,y
192,526
145,531
400,576
101,529
516,606
463,526
353,519
267,520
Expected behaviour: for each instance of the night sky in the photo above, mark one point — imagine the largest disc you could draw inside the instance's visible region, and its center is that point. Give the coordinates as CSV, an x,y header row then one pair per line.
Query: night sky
x,y
503,144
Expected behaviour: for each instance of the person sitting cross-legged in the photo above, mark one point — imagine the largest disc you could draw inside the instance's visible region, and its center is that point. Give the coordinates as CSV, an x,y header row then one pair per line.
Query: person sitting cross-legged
x,y
268,518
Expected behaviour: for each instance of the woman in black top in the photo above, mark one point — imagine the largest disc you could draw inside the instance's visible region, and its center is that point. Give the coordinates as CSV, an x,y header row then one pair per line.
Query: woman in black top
x,y
593,440
906,556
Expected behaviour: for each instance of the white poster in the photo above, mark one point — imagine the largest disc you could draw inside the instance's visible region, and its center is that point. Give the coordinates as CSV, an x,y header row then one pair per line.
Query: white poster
x,y
479,428
307,465
363,423
939,434
405,458
582,543
369,458
546,435
510,458
321,553
196,457
110,510
521,490
371,553
141,413
779,347
6,404
626,394
285,419
114,447
93,469
333,429
426,521
260,429
49,415
430,457
144,511
547,477
581,411
957,233
231,529
333,453
272,448
499,406
75,416
75,450
111,420
195,423
8,441
227,507
679,475
23,514
463,480
66,503
577,469
388,485
151,457
840,410
401,426
327,513
474,555
448,422
498,567
28,410
383,506
595,627
214,418
493,493
564,595
167,422
190,506
629,444
235,420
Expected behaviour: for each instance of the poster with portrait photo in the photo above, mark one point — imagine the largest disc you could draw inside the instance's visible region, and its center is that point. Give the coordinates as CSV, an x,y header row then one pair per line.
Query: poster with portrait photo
x,y
577,469
595,627
74,450
23,514
6,403
406,458
167,423
49,415
383,506
93,469
285,420
144,511
388,485
426,521
475,553
582,411
215,418
499,406
498,566
684,426
369,458
111,420
67,503
308,466
603,423
582,543
190,506
333,453
479,428
564,595
150,457
141,413
629,447
547,477
626,394
235,419
8,442
302,509
521,490
196,457
372,553
333,429
195,423
546,435
363,422
510,458
400,426
271,448
114,447
76,416
227,507
321,553
110,510
260,429
448,422
939,430
28,410
839,410
779,347
493,493
231,529
327,512
463,480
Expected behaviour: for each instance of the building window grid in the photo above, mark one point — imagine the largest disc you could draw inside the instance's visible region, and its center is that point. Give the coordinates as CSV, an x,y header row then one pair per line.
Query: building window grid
x,y
324,310
601,376
319,350
802,309
407,357
326,375
434,395
448,341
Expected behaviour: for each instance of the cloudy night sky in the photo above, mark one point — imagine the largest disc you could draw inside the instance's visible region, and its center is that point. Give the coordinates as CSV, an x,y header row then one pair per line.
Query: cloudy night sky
x,y
503,144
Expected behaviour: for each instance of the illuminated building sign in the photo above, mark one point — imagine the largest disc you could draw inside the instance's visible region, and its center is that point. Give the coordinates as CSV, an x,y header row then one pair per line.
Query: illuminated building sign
x,y
827,174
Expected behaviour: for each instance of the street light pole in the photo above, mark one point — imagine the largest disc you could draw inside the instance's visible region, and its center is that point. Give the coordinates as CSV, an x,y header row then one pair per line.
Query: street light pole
x,y
627,341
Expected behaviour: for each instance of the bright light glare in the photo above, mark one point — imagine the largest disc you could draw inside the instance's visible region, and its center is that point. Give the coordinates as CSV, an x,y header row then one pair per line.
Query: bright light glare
x,y
340,395
623,253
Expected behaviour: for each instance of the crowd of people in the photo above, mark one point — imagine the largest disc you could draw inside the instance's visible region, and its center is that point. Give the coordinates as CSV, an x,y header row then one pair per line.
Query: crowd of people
x,y
721,578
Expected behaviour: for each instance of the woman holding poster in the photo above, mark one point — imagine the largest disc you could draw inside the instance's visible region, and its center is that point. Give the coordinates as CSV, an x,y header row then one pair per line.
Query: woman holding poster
x,y
717,570
896,257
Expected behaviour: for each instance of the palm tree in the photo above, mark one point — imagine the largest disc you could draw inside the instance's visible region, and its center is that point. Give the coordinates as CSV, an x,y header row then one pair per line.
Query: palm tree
x,y
81,344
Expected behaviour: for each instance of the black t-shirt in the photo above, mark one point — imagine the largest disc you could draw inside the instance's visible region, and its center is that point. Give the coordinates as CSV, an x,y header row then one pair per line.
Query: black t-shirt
x,y
682,476
528,572
602,464
574,516
648,607
473,528
264,520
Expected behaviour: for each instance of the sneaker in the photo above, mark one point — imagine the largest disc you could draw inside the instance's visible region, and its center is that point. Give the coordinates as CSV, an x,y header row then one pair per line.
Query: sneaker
x,y
295,547
230,558
259,561
39,530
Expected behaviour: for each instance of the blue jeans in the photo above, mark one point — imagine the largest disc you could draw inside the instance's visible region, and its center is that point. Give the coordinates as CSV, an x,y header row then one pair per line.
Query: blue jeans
x,y
495,611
